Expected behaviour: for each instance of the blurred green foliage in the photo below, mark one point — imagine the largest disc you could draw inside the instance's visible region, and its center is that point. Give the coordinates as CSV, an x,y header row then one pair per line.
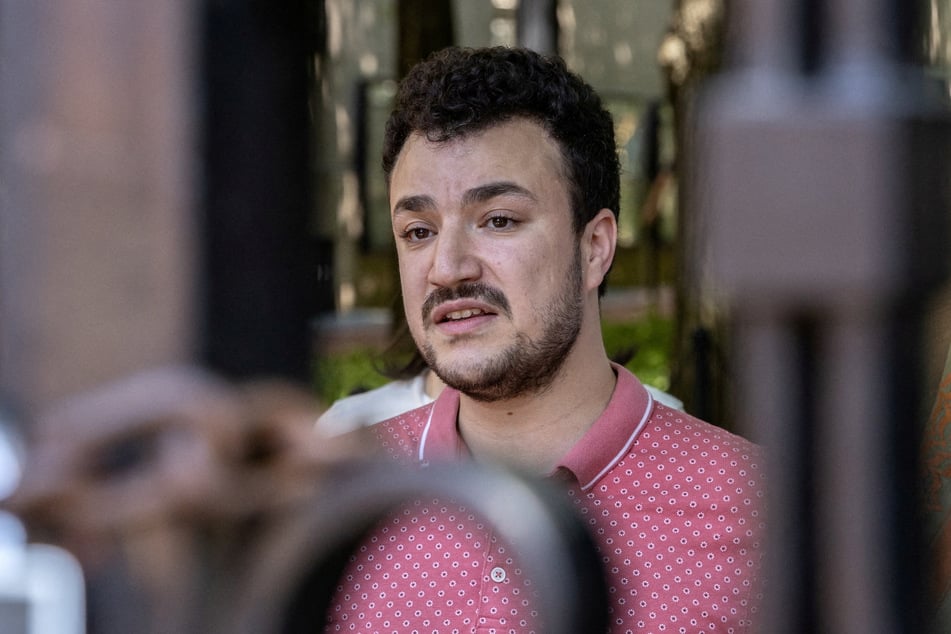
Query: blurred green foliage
x,y
342,374
643,346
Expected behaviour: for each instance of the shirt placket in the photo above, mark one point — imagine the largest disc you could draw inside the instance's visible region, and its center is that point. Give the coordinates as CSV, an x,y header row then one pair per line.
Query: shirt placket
x,y
500,590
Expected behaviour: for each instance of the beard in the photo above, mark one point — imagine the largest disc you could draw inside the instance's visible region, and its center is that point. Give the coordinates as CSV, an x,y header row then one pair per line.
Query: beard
x,y
527,365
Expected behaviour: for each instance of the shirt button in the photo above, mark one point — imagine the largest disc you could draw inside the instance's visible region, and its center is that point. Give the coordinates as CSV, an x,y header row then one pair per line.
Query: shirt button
x,y
498,575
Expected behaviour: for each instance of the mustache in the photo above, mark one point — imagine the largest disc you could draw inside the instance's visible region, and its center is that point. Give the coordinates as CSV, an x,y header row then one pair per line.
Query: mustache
x,y
466,290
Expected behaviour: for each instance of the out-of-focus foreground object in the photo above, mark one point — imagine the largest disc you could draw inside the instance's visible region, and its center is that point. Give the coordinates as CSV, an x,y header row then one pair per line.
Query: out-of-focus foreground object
x,y
41,586
97,160
197,506
166,487
823,166
97,243
153,214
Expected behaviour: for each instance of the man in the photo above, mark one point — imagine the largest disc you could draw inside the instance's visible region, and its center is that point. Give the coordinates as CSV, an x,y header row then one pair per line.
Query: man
x,y
503,186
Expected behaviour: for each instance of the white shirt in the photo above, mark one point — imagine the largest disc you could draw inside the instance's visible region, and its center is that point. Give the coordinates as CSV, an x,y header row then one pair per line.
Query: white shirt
x,y
359,410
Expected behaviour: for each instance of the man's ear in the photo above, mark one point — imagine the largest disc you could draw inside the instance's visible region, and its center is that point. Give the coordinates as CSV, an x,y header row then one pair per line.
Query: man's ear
x,y
598,245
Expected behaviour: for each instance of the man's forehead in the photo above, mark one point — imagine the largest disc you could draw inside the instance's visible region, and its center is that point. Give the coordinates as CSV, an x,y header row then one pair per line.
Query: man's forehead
x,y
517,145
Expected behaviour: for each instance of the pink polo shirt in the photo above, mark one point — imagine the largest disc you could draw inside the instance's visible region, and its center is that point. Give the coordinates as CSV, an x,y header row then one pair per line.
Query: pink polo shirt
x,y
673,503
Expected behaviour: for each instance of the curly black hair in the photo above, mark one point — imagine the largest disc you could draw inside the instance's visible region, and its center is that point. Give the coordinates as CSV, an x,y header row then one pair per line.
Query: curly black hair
x,y
458,91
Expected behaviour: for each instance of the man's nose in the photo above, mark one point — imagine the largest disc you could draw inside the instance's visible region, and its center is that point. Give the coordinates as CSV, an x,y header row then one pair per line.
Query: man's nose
x,y
455,258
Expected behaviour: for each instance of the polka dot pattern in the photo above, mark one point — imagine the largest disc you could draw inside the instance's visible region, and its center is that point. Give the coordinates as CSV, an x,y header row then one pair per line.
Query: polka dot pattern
x,y
433,567
679,523
677,517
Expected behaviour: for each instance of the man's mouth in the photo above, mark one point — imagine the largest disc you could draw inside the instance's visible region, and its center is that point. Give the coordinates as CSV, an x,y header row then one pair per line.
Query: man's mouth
x,y
469,300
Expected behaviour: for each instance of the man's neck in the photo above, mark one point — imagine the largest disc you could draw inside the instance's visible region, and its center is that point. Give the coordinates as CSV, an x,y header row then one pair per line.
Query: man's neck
x,y
531,433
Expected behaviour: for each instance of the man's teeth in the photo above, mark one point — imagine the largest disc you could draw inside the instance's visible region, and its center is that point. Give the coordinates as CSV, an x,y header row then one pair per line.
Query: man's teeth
x,y
463,314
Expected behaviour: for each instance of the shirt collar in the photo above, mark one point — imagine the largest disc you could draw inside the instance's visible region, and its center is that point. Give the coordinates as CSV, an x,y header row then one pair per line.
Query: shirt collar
x,y
610,438
440,440
602,446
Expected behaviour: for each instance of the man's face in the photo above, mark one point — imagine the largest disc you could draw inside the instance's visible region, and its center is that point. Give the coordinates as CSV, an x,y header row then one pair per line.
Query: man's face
x,y
489,262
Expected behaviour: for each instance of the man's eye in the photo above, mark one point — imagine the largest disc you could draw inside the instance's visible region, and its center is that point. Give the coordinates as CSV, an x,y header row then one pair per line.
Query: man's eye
x,y
500,222
415,234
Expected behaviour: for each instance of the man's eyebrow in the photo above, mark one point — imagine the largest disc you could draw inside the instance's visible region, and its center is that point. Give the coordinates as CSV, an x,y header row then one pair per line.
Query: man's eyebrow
x,y
478,194
486,192
419,202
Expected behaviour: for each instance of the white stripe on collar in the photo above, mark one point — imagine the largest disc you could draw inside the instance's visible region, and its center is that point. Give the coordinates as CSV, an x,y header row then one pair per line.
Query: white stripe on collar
x,y
627,445
425,435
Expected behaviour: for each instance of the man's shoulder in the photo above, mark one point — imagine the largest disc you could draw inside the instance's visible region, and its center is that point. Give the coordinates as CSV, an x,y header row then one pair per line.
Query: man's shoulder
x,y
686,457
688,437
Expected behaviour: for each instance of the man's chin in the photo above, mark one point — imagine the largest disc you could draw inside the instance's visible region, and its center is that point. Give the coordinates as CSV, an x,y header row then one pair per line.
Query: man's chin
x,y
480,391
487,384
462,358
471,381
